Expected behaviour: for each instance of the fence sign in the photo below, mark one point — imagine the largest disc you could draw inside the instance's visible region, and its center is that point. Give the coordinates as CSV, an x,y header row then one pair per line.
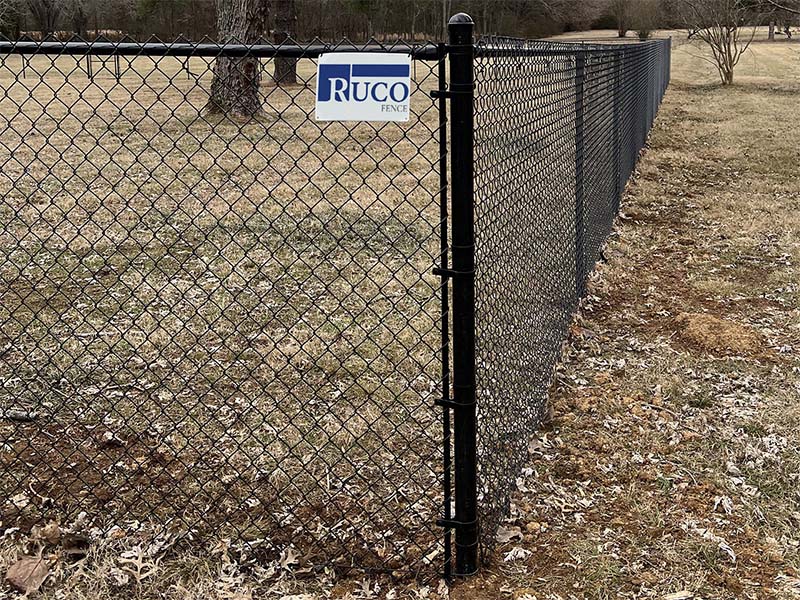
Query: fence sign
x,y
353,86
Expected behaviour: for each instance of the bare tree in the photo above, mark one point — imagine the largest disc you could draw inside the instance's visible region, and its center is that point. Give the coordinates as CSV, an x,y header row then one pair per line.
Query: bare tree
x,y
645,17
781,11
46,13
9,16
727,27
789,6
578,14
285,27
621,9
77,11
235,87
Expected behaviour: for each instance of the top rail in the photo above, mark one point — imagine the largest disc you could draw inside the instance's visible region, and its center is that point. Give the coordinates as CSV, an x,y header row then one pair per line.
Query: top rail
x,y
519,48
425,51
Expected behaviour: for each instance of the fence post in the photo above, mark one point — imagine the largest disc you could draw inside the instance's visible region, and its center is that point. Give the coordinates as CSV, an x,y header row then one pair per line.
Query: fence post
x,y
462,91
618,186
580,249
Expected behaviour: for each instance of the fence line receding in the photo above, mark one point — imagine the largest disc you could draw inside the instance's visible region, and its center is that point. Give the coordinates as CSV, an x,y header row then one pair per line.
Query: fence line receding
x,y
334,337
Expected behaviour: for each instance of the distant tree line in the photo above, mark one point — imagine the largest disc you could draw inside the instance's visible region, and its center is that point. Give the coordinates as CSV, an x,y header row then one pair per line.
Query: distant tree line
x,y
362,19
326,19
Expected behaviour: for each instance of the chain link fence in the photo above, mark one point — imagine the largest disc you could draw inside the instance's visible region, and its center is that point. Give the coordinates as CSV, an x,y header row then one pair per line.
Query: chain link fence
x,y
558,130
259,327
216,325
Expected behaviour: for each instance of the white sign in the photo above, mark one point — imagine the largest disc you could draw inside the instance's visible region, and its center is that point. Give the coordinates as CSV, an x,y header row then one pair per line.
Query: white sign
x,y
361,86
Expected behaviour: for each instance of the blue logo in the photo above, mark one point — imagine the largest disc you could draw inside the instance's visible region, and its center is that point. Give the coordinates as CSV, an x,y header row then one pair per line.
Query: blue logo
x,y
362,83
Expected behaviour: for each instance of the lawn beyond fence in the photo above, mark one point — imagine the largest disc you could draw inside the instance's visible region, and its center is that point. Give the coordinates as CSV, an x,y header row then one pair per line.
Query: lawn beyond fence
x,y
233,328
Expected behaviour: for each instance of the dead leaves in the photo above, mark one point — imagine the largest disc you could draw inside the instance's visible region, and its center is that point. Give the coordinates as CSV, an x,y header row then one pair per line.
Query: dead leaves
x,y
28,574
49,533
509,534
137,564
517,553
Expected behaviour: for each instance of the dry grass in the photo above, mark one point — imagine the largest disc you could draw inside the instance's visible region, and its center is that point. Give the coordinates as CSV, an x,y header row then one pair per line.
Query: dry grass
x,y
222,327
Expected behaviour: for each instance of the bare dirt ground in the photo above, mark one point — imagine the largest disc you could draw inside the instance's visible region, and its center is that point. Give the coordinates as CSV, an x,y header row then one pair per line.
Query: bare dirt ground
x,y
671,467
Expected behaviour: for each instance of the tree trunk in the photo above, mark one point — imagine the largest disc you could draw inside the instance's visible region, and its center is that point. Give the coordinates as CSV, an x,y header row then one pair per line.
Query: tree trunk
x,y
79,19
772,31
285,23
445,19
235,87
46,13
726,72
621,12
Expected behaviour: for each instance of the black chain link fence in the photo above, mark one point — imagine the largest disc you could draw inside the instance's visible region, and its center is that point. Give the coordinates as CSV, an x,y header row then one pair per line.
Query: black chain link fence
x,y
223,326
219,325
558,130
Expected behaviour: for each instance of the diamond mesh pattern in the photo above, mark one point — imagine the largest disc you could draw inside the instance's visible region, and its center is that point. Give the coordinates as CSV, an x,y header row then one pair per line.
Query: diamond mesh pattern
x,y
231,326
219,325
553,150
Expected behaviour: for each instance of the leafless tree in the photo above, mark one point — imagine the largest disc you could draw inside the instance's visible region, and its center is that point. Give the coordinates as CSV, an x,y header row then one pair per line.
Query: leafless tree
x,y
621,9
6,7
790,6
9,11
78,16
645,16
727,27
46,13
235,86
781,11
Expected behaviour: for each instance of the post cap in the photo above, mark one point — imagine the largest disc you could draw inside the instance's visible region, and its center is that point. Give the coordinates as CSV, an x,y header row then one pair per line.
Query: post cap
x,y
461,19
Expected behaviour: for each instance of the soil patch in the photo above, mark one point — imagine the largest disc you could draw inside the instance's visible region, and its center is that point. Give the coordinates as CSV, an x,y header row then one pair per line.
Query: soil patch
x,y
717,336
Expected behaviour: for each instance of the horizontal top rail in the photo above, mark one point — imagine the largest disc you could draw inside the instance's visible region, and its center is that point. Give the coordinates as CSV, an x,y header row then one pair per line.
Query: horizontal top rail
x,y
510,49
424,51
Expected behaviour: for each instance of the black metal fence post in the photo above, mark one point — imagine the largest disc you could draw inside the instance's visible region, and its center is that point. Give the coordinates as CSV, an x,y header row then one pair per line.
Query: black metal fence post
x,y
580,247
617,99
462,90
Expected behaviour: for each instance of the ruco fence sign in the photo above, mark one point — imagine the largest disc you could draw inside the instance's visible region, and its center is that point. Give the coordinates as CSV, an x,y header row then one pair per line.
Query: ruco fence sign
x,y
363,87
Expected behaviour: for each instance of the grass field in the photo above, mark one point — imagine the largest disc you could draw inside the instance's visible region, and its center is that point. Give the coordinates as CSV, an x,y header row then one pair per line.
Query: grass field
x,y
218,326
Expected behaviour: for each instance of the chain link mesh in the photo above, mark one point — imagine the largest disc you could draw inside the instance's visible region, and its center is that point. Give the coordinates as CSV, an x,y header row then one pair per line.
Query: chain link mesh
x,y
230,327
558,129
215,325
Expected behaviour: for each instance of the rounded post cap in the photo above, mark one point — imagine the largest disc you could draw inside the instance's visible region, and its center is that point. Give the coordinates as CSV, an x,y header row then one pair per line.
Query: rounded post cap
x,y
461,19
